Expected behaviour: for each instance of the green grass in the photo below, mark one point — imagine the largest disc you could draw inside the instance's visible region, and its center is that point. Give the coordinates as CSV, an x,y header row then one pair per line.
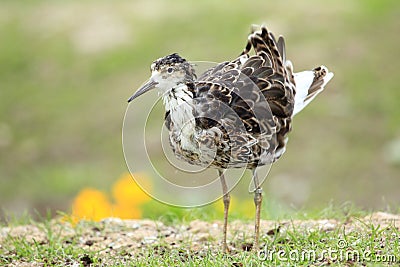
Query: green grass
x,y
53,250
57,244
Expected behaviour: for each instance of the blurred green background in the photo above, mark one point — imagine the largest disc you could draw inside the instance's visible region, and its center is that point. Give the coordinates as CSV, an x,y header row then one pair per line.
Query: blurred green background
x,y
68,67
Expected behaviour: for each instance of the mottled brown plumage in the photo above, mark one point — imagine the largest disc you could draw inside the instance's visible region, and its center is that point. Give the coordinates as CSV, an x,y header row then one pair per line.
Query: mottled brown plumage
x,y
238,113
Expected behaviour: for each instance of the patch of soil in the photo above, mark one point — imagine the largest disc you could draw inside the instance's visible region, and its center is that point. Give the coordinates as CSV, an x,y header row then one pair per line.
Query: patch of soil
x,y
127,238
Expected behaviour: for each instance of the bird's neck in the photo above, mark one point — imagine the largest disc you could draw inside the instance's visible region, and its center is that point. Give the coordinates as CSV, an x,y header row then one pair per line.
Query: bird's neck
x,y
177,96
179,103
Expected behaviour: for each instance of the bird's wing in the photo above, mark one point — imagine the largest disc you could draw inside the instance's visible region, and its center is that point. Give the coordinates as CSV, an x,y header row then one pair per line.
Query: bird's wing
x,y
270,71
259,88
227,93
273,74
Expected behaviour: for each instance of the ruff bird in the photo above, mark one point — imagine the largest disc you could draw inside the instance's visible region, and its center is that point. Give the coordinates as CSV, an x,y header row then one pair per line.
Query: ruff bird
x,y
236,114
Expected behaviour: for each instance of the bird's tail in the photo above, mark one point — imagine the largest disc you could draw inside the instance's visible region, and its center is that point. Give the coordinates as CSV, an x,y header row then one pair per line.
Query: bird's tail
x,y
308,85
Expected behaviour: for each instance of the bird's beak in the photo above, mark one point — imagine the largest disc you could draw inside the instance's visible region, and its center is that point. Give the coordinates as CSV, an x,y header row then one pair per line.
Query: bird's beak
x,y
150,84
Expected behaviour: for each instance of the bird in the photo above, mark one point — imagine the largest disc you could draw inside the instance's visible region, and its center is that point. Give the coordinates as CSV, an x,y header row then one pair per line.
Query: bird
x,y
236,114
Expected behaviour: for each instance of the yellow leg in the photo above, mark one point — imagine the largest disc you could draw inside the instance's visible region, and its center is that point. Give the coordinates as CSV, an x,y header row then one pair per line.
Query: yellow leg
x,y
227,199
257,202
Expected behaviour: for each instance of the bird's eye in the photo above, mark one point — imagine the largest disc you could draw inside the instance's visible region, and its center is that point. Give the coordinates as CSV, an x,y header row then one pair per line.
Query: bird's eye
x,y
170,70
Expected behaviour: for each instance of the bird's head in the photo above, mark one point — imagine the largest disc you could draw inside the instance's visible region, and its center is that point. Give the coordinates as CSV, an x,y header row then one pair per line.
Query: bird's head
x,y
167,73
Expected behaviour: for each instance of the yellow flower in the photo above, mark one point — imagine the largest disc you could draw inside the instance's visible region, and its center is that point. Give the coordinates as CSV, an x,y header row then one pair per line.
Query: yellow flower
x,y
91,204
127,212
127,192
244,207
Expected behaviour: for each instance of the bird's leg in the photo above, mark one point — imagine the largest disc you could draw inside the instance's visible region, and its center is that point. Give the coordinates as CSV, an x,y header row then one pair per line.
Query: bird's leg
x,y
257,202
227,199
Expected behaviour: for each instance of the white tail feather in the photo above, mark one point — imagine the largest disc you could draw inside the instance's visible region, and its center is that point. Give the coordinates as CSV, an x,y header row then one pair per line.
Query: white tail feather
x,y
304,81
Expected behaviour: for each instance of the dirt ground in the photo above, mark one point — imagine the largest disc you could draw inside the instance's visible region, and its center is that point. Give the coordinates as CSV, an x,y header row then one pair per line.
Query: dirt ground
x,y
114,237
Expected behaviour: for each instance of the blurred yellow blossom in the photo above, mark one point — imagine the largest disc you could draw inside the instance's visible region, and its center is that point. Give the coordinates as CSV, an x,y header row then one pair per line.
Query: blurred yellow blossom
x,y
127,211
92,204
243,207
127,192
127,200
